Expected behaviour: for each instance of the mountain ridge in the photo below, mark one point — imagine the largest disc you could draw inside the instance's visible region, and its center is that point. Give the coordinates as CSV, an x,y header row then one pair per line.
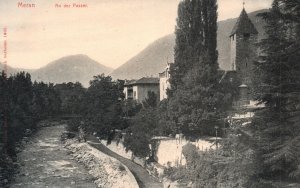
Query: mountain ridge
x,y
152,60
73,68
13,70
148,63
143,60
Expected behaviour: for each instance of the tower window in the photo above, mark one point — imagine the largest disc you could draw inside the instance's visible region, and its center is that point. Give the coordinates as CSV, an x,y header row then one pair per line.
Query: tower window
x,y
246,36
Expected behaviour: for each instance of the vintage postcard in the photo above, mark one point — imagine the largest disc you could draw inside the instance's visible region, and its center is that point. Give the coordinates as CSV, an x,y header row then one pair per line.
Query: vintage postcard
x,y
150,93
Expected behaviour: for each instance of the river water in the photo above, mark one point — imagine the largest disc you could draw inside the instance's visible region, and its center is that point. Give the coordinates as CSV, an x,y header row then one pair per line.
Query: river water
x,y
46,163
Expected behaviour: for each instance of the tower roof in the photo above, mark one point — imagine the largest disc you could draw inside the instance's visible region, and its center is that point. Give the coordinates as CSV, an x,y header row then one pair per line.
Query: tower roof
x,y
244,25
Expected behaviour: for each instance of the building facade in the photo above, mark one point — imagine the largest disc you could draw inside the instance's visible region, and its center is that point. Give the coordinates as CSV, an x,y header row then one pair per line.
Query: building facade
x,y
138,89
164,82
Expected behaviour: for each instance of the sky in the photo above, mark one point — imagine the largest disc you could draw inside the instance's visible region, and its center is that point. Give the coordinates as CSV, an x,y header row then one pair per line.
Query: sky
x,y
109,31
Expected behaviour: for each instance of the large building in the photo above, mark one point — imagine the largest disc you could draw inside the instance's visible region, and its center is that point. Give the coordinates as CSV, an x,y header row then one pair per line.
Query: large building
x,y
243,53
138,89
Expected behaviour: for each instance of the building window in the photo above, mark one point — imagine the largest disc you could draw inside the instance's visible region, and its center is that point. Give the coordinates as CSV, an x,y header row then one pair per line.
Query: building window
x,y
129,93
246,63
233,37
134,94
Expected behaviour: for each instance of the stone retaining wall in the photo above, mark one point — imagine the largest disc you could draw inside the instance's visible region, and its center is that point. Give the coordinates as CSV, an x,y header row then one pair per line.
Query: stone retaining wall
x,y
164,149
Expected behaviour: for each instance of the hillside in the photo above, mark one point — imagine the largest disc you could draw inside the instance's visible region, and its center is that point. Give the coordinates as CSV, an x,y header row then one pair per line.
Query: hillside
x,y
73,68
152,60
12,70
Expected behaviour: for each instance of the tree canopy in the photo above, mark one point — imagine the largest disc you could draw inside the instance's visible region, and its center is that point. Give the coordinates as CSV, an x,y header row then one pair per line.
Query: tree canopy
x,y
277,130
197,101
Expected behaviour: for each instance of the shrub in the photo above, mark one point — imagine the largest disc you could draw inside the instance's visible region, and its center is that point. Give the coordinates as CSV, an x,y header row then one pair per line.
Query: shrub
x,y
122,168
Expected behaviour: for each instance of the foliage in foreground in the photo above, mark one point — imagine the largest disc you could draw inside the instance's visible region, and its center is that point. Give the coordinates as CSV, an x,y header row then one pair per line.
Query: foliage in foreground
x,y
218,169
276,127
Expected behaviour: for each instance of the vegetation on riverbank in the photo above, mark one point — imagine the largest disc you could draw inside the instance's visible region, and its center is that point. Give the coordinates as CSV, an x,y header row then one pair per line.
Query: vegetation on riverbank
x,y
23,104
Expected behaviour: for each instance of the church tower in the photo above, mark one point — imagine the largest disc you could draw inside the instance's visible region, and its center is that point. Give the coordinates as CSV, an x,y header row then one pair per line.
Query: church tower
x,y
243,52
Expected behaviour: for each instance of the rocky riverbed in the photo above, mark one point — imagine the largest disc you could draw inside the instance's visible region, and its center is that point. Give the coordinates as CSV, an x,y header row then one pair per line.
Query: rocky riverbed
x,y
108,171
44,162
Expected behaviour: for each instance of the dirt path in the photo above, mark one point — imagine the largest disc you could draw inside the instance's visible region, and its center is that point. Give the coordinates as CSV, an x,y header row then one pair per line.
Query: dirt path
x,y
143,178
45,163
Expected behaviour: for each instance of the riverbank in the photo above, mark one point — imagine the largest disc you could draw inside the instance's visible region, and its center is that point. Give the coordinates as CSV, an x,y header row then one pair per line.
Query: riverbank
x,y
107,171
144,179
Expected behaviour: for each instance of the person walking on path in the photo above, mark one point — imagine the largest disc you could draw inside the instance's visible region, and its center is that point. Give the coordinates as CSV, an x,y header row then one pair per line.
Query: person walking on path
x,y
82,132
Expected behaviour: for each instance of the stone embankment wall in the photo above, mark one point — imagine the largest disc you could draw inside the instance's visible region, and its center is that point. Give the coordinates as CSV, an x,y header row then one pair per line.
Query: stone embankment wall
x,y
119,149
164,149
174,147
107,171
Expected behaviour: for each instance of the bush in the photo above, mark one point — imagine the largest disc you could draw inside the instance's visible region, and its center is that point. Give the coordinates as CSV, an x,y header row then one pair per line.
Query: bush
x,y
179,173
189,151
138,144
73,125
122,168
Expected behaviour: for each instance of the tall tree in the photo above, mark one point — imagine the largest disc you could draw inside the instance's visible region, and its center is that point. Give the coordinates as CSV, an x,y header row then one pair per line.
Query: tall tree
x,y
71,95
45,101
102,104
151,100
196,33
141,130
277,129
197,101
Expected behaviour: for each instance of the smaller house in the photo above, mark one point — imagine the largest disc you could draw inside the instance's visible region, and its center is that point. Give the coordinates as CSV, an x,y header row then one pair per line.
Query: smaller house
x,y
138,89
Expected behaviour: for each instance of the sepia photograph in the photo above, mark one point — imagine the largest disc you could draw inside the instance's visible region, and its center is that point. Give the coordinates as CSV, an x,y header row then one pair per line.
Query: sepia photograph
x,y
150,93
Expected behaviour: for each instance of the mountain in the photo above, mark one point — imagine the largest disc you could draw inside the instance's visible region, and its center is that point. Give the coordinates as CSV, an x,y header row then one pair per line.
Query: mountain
x,y
12,70
74,68
152,60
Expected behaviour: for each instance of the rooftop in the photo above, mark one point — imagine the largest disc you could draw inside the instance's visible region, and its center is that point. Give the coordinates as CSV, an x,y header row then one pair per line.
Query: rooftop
x,y
244,25
162,74
144,80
